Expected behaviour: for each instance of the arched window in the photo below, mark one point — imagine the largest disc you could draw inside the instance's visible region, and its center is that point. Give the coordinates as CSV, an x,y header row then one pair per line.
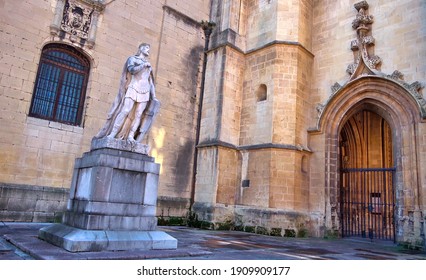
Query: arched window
x,y
262,93
60,86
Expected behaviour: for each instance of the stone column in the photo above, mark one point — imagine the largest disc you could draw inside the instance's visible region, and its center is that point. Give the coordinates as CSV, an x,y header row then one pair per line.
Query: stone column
x,y
93,28
56,24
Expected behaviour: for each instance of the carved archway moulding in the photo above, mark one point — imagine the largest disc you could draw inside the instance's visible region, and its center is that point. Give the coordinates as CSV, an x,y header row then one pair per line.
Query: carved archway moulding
x,y
376,89
366,65
390,101
400,103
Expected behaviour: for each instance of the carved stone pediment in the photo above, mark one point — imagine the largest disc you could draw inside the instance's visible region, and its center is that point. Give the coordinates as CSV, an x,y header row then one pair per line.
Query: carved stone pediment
x,y
77,20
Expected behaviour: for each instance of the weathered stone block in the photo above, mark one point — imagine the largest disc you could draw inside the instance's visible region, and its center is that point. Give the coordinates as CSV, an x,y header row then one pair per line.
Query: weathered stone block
x,y
151,189
43,217
23,205
3,202
119,145
101,190
112,208
12,216
48,206
83,191
127,186
78,240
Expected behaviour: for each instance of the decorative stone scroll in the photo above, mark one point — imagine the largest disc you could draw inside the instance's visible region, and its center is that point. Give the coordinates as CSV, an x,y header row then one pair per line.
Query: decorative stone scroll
x,y
78,19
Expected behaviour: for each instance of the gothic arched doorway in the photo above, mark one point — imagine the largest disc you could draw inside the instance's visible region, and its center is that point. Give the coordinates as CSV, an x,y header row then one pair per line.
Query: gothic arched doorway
x,y
367,199
396,113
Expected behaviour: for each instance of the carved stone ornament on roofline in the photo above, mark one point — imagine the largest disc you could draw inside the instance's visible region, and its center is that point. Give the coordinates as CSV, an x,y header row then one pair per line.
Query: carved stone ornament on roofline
x,y
366,63
77,19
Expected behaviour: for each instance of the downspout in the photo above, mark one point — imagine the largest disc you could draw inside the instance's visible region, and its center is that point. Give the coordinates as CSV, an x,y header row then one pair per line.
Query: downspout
x,y
208,29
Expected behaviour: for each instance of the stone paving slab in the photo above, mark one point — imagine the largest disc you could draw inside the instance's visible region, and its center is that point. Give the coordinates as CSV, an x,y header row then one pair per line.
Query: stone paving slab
x,y
196,244
29,243
10,252
4,248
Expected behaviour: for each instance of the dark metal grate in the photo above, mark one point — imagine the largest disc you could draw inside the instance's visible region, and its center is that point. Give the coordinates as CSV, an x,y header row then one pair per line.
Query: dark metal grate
x,y
368,203
61,84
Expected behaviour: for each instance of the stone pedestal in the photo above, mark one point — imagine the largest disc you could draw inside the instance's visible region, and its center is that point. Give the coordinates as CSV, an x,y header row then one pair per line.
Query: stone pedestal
x,y
112,202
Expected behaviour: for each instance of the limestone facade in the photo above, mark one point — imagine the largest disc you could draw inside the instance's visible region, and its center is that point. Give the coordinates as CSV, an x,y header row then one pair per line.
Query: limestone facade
x,y
39,153
276,154
276,96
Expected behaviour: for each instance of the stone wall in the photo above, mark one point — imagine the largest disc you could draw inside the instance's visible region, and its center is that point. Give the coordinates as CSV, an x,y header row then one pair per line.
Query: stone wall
x,y
269,221
267,153
287,156
253,129
37,152
32,151
32,203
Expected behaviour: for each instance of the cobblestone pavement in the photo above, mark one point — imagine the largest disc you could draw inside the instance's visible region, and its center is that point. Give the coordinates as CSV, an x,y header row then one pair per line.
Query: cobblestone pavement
x,y
18,241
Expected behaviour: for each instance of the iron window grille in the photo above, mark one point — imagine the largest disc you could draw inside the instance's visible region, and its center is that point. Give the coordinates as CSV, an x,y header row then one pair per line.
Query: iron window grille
x,y
60,87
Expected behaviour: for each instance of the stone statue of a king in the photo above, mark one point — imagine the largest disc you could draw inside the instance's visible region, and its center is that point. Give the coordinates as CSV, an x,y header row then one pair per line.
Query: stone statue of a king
x,y
113,194
135,107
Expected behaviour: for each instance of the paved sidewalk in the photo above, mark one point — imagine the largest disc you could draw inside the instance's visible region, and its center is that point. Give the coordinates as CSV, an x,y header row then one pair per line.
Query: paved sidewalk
x,y
18,241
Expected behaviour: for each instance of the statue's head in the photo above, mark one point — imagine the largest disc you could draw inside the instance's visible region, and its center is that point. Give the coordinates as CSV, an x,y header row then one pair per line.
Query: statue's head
x,y
143,48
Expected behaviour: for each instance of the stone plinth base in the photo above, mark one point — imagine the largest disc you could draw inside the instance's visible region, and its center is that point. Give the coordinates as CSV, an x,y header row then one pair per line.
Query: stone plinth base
x,y
121,145
79,240
112,203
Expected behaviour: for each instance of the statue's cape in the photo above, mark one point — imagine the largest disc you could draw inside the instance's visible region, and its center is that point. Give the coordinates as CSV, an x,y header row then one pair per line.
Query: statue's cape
x,y
116,108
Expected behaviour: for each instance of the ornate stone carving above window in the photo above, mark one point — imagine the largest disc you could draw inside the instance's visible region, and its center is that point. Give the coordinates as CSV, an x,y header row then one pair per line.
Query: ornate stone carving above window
x,y
77,20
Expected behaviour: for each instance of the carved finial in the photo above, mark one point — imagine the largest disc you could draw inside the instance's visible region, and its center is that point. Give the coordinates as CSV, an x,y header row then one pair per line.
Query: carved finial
x,y
362,18
361,5
365,62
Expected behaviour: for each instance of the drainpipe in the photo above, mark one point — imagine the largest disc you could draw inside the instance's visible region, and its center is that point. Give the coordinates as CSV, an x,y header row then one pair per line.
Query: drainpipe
x,y
208,29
